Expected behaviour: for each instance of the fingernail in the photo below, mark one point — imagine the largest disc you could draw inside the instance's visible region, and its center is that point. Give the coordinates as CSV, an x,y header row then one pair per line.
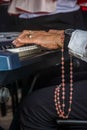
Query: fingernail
x,y
14,42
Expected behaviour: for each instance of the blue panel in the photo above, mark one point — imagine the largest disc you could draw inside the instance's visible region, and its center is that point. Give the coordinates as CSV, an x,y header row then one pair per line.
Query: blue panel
x,y
9,61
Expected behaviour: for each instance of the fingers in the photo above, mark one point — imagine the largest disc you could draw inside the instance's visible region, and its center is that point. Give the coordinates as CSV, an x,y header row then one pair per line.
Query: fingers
x,y
27,37
24,33
17,42
21,39
52,39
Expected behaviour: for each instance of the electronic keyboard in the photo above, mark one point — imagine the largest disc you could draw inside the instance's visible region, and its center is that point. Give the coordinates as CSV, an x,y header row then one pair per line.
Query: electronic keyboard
x,y
10,55
6,44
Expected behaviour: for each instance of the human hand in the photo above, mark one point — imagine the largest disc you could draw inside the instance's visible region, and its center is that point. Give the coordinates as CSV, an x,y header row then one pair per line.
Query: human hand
x,y
52,39
24,37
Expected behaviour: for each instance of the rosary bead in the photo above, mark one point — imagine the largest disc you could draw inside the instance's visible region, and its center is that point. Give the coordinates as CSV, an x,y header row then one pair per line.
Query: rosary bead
x,y
60,101
63,97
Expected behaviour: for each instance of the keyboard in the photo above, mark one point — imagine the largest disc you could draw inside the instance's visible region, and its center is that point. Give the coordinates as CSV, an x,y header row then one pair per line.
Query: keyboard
x,y
6,44
26,50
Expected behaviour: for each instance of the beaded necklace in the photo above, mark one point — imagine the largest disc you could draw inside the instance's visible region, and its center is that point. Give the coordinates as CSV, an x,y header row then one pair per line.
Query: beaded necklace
x,y
60,105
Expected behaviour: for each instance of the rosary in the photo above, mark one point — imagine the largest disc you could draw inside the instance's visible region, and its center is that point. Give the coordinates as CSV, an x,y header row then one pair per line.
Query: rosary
x,y
59,99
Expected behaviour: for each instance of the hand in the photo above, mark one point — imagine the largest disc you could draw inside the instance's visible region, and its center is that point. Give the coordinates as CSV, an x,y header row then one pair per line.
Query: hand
x,y
51,40
24,37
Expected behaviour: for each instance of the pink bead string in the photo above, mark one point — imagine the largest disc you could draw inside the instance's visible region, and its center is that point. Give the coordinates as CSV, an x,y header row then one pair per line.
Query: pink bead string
x,y
59,98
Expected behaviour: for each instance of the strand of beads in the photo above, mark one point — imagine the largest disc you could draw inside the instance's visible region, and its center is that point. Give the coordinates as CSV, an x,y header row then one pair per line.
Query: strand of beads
x,y
60,101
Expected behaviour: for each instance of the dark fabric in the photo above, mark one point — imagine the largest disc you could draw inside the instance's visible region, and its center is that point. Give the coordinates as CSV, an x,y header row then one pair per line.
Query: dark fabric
x,y
38,109
14,23
56,21
1,128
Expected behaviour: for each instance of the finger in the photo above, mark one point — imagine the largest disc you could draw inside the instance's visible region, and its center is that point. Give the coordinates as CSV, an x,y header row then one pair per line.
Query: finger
x,y
24,33
16,43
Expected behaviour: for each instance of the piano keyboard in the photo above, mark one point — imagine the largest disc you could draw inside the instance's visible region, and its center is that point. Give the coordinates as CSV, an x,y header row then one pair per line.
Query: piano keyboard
x,y
6,44
26,50
8,36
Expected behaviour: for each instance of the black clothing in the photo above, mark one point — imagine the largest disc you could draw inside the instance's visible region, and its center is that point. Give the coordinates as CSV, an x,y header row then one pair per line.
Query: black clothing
x,y
38,108
55,21
1,128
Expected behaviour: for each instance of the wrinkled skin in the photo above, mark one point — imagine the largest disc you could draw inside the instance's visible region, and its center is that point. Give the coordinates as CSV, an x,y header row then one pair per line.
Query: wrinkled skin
x,y
53,39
